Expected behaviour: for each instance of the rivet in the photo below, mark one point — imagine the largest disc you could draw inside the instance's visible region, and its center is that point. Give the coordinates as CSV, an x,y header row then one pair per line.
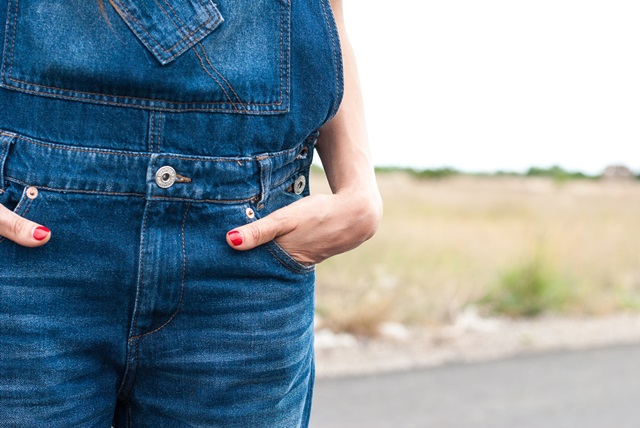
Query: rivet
x,y
250,213
32,192
299,185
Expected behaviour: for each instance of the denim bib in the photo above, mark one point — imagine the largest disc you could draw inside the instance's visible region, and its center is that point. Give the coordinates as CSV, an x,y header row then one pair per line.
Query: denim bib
x,y
239,57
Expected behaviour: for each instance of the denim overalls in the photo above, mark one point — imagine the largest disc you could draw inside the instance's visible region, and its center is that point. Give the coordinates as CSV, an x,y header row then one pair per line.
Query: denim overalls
x,y
140,138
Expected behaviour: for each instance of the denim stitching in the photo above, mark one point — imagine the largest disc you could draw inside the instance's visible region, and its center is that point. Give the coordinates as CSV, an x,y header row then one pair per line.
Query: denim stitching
x,y
206,57
111,152
184,263
65,190
135,371
205,105
150,130
13,42
142,195
296,268
3,159
7,38
195,50
170,156
221,201
141,269
154,41
160,127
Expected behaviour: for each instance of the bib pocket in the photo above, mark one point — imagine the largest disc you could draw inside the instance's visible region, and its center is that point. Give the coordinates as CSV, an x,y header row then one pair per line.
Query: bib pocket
x,y
169,55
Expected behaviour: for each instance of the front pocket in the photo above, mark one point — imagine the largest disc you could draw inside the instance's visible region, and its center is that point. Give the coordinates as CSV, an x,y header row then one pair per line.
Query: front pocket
x,y
280,197
165,55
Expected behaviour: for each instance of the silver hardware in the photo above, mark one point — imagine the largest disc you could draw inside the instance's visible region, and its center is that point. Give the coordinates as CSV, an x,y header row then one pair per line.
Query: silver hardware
x,y
165,177
250,213
299,185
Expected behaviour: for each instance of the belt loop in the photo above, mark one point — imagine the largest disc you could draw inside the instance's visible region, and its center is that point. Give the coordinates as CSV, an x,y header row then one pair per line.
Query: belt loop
x,y
264,163
6,139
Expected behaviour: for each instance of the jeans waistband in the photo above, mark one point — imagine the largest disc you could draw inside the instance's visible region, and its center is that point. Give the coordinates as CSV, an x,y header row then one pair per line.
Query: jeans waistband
x,y
197,178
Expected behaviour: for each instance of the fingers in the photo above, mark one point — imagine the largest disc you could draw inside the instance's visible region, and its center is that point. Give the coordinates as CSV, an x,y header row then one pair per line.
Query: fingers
x,y
260,231
22,231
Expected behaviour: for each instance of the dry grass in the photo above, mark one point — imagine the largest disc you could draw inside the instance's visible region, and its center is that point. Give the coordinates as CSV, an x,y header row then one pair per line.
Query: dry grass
x,y
444,244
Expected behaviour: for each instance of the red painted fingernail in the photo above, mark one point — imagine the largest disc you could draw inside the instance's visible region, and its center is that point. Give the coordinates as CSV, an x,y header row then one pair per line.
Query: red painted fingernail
x,y
235,237
40,233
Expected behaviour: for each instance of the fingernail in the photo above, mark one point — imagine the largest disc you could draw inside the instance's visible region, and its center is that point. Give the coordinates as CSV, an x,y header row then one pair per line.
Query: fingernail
x,y
40,233
235,237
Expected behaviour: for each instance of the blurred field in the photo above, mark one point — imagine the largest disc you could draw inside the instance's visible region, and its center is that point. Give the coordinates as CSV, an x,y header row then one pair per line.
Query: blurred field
x,y
447,243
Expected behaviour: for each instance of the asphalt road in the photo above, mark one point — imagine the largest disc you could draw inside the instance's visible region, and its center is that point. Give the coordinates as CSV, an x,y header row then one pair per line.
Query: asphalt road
x,y
583,389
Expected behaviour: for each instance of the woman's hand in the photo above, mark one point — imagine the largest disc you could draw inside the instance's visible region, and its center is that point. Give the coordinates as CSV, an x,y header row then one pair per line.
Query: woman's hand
x,y
22,231
320,226
314,228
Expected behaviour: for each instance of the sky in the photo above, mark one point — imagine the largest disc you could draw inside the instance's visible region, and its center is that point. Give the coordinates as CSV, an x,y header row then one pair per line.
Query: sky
x,y
486,85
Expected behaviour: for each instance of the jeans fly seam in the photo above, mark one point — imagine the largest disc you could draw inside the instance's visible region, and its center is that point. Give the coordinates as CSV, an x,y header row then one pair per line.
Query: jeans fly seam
x,y
184,264
121,393
135,305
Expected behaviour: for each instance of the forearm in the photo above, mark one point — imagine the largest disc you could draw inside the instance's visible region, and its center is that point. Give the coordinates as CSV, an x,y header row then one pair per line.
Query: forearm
x,y
343,144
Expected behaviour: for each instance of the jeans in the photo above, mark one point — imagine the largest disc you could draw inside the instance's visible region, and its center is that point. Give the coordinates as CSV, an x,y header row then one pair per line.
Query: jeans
x,y
140,140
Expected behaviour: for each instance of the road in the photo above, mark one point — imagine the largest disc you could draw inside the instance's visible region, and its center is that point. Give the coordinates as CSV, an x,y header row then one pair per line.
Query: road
x,y
579,389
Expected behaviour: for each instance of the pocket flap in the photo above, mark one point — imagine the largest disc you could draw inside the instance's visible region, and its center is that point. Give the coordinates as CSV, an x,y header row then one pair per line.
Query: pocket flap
x,y
169,27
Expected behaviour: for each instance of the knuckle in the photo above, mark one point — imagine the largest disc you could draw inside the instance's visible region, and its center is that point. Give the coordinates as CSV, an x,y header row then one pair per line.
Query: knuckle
x,y
18,227
255,233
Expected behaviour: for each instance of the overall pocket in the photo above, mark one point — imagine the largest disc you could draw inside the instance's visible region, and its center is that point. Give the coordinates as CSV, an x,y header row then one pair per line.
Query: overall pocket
x,y
172,55
288,192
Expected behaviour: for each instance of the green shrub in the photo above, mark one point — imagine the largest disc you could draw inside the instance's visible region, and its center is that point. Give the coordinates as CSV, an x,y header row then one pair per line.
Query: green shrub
x,y
527,290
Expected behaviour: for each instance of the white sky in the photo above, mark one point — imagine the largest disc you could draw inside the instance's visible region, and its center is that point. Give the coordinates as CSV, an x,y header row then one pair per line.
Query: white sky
x,y
482,85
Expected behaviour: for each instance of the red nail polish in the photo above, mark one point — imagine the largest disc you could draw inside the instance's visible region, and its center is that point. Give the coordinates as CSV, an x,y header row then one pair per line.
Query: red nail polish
x,y
235,237
40,233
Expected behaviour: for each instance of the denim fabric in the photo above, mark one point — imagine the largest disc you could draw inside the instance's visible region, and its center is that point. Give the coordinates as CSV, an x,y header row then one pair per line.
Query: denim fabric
x,y
137,312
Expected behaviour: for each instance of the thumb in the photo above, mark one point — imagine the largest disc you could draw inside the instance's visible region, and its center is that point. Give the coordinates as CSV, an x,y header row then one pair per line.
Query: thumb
x,y
22,231
259,232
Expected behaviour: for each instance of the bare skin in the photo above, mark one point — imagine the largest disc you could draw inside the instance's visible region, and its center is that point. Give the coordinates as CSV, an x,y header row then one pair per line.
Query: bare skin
x,y
320,226
316,227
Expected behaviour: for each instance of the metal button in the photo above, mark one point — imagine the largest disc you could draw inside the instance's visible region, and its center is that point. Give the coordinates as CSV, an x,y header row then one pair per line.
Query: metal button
x,y
250,213
165,177
32,192
299,185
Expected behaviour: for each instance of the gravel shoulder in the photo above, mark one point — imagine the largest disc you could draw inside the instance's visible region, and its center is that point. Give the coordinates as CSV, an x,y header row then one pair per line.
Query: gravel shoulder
x,y
470,339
